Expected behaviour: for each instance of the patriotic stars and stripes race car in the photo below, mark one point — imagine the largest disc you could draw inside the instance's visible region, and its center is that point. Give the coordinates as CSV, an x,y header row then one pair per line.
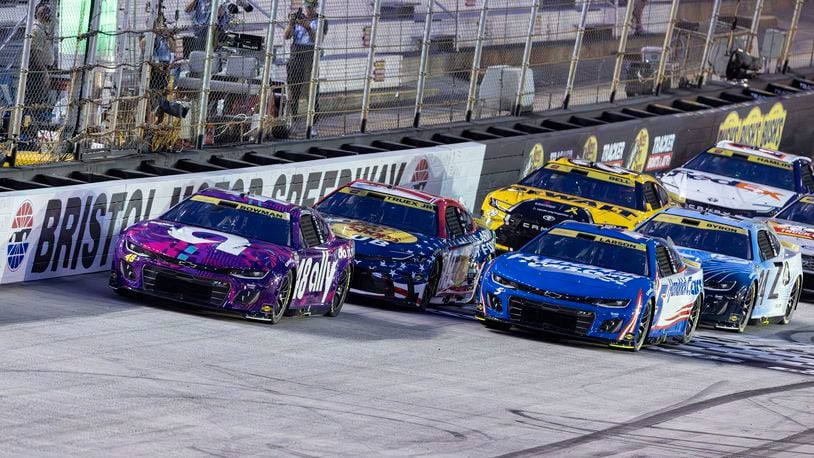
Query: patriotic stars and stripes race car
x,y
795,224
748,272
239,253
734,179
610,285
571,189
410,246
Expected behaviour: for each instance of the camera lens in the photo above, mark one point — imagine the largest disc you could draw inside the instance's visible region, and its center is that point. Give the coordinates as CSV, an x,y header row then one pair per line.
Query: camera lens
x,y
232,8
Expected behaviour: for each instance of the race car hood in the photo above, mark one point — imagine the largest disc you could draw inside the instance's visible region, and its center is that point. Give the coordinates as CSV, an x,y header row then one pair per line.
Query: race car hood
x,y
384,242
206,247
599,211
569,278
719,267
721,191
796,233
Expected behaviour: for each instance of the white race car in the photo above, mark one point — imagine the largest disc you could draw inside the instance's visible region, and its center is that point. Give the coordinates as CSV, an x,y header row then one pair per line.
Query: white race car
x,y
795,224
733,179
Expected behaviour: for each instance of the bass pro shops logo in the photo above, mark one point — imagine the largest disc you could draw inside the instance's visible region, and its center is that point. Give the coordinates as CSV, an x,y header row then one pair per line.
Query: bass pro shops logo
x,y
756,129
21,230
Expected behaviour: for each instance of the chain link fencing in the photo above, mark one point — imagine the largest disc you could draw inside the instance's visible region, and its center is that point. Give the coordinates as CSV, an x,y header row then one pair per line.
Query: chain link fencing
x,y
107,77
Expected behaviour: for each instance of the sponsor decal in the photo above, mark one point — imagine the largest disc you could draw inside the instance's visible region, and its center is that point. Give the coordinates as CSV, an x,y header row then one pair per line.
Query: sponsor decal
x,y
563,153
613,153
18,243
590,149
685,287
362,231
662,154
751,157
421,175
598,238
534,161
637,158
602,172
315,276
227,243
244,207
776,195
76,228
793,231
699,223
756,129
390,198
605,275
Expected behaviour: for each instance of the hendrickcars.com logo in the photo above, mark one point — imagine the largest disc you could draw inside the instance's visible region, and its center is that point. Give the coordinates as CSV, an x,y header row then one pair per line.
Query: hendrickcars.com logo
x,y
18,243
756,129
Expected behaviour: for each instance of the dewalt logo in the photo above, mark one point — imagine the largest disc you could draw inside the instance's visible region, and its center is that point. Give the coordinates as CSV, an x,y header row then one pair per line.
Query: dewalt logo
x,y
756,129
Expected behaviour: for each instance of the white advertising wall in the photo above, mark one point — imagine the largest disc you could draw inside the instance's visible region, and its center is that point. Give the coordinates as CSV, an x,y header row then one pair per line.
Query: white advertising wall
x,y
72,230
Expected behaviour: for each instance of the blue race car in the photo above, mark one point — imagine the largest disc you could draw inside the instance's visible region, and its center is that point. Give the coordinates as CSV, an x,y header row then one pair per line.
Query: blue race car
x,y
590,281
748,272
411,246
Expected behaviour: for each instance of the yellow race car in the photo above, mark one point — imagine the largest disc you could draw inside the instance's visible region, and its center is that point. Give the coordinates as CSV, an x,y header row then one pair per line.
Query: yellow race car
x,y
571,189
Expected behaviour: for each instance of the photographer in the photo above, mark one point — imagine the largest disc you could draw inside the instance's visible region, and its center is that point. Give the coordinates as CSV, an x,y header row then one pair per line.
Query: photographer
x,y
160,87
302,29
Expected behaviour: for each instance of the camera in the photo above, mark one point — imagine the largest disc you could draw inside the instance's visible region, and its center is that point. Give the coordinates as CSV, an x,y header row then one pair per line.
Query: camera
x,y
234,6
295,16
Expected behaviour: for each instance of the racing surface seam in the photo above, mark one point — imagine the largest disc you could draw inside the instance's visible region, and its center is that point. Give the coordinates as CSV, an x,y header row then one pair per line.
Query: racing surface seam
x,y
657,418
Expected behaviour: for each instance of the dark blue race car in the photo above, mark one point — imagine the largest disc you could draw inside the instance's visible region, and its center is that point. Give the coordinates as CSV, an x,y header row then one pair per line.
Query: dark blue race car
x,y
584,280
411,247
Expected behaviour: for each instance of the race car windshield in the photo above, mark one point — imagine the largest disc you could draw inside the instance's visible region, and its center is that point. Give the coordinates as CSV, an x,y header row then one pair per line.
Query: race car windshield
x,y
741,168
801,211
373,208
583,186
593,253
224,218
726,243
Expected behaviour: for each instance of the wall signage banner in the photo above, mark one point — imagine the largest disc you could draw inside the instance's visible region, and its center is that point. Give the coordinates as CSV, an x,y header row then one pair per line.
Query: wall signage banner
x,y
72,230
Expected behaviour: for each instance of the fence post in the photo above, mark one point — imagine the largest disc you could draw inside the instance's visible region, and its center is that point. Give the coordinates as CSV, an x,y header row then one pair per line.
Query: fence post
x,y
422,66
716,11
313,86
524,67
265,86
755,23
371,54
203,103
146,69
15,123
668,37
83,115
473,79
783,61
620,53
572,70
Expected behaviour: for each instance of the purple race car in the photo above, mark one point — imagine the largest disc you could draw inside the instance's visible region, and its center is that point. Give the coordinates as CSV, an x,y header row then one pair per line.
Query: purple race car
x,y
236,252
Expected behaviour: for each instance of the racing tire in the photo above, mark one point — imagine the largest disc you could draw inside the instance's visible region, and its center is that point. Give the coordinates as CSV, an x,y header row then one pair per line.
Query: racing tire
x,y
692,320
497,325
341,293
643,330
747,309
123,292
283,299
432,285
794,299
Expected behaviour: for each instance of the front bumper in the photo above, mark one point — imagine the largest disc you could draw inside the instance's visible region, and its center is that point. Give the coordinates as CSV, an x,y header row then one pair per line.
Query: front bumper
x,y
537,312
723,310
207,289
387,284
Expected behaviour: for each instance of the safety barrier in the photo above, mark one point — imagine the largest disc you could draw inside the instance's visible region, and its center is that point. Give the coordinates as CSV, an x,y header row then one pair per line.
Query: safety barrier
x,y
73,229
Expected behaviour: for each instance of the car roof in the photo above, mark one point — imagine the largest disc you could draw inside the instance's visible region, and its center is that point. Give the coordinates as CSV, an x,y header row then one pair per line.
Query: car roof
x,y
738,222
602,168
759,151
608,231
250,199
398,191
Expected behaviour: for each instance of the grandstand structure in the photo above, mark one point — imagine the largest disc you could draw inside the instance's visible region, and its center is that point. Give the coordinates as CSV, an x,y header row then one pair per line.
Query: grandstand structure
x,y
381,64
